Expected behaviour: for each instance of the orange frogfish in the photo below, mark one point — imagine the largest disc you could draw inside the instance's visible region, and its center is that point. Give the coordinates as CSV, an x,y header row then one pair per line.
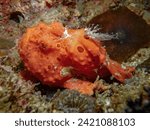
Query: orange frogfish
x,y
58,56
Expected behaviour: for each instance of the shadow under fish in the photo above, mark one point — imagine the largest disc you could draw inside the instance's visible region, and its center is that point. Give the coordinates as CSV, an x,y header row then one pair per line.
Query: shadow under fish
x,y
131,30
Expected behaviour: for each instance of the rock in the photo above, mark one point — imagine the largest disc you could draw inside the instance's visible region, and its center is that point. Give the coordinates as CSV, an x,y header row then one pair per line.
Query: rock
x,y
132,32
145,65
146,16
16,16
6,44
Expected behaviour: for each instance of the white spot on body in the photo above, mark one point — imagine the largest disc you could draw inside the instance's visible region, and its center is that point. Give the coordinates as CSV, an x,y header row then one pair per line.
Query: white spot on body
x,y
66,34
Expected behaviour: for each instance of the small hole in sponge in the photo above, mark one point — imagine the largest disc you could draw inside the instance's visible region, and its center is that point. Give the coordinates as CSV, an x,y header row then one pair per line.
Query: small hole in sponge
x,y
58,45
80,49
58,59
49,67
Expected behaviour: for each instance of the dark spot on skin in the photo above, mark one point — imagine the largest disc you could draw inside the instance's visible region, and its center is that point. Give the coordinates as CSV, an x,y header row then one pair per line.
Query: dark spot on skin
x,y
80,49
58,59
132,32
49,67
58,45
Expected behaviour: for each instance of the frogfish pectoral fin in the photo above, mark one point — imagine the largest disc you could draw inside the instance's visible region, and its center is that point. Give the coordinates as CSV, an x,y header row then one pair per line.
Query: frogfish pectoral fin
x,y
120,73
84,87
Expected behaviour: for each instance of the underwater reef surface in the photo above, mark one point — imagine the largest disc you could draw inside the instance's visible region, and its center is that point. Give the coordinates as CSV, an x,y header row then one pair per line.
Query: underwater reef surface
x,y
18,95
